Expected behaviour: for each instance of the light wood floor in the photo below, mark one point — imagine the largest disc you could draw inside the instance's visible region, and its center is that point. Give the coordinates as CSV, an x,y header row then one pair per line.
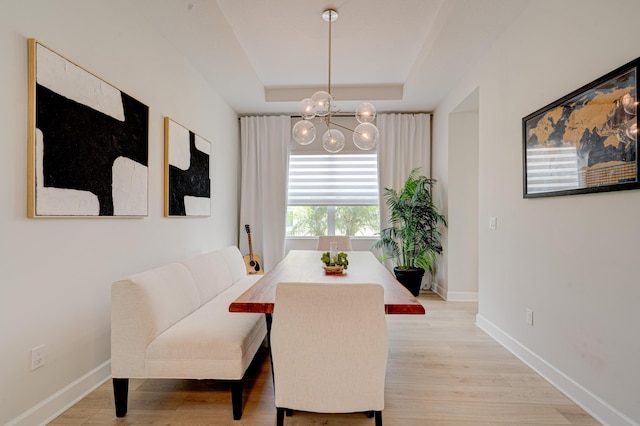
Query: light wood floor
x,y
442,371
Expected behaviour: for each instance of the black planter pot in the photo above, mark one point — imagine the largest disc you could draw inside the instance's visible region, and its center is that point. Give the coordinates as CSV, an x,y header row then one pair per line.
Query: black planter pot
x,y
411,278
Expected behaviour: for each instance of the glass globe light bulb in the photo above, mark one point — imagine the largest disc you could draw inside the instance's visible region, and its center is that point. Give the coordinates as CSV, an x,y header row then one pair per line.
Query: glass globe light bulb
x,y
304,132
323,103
307,108
366,136
365,113
333,141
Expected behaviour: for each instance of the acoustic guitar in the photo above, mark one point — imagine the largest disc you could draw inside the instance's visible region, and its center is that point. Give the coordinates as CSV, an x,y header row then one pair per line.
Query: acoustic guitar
x,y
252,261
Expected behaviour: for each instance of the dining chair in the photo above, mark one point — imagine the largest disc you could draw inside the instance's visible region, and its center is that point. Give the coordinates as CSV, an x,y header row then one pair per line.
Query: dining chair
x,y
329,349
344,242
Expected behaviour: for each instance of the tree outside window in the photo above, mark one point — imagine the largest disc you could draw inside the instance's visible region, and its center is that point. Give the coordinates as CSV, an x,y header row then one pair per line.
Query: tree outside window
x,y
311,221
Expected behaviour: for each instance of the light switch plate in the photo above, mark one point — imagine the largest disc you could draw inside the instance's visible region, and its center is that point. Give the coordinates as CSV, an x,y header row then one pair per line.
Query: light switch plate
x,y
493,223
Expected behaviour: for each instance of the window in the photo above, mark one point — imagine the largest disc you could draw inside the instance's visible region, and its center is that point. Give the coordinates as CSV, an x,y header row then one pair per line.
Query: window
x,y
333,194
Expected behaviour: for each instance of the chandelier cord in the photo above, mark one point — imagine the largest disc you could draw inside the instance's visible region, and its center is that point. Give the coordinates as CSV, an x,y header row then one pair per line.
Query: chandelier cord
x,y
329,73
329,83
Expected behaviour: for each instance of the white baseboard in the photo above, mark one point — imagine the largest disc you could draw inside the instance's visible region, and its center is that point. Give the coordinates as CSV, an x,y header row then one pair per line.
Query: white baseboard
x,y
461,296
438,290
596,407
59,402
455,296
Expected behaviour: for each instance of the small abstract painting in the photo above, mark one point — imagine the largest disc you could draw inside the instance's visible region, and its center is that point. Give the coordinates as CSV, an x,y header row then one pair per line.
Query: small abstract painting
x,y
187,181
88,142
586,141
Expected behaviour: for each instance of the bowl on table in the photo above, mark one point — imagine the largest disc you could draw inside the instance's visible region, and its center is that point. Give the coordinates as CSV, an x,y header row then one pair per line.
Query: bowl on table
x,y
334,270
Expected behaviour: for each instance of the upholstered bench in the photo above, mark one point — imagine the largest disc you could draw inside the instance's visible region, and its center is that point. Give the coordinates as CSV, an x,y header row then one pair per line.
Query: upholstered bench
x,y
174,322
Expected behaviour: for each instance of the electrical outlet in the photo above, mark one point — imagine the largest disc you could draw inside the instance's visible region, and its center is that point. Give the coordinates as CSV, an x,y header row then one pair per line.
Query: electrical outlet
x,y
37,357
529,317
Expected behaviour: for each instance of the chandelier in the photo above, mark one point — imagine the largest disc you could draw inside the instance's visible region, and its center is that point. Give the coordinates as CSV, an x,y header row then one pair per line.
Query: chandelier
x,y
321,105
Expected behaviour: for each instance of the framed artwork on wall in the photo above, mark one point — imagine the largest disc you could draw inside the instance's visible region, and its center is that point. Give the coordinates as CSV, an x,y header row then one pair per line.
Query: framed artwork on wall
x,y
586,141
87,142
187,182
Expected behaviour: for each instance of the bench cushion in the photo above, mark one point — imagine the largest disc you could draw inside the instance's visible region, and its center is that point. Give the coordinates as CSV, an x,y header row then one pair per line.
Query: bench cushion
x,y
211,342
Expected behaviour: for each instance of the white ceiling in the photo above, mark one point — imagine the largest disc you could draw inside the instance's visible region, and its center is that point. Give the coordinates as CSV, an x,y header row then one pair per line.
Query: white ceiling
x,y
412,50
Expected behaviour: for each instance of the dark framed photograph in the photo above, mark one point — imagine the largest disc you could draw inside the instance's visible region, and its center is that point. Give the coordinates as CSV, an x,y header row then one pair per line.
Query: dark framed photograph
x,y
586,141
88,142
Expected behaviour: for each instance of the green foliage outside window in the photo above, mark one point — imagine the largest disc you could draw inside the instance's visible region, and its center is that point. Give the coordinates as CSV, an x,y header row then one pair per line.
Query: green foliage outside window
x,y
307,220
357,220
311,221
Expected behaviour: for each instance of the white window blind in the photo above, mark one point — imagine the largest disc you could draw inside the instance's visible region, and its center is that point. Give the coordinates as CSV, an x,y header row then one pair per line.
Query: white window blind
x,y
333,180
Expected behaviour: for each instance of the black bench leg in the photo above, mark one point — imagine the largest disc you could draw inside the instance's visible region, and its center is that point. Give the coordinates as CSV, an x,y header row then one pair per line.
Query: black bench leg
x,y
280,416
378,415
236,398
120,394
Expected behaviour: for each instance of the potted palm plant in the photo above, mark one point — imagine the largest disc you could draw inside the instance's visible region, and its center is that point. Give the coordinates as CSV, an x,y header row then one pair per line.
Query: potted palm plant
x,y
413,239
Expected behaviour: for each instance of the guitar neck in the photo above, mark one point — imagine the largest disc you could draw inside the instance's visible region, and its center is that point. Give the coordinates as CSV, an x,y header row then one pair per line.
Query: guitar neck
x,y
250,245
248,230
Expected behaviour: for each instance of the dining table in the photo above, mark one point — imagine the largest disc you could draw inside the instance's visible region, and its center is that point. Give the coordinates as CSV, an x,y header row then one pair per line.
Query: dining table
x,y
305,266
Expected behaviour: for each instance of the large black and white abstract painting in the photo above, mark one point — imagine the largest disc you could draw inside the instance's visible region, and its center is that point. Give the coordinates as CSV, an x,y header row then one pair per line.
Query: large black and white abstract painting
x,y
187,181
88,148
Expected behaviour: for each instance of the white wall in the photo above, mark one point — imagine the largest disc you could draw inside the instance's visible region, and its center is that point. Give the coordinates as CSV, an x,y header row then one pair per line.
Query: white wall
x,y
571,259
56,273
462,234
455,131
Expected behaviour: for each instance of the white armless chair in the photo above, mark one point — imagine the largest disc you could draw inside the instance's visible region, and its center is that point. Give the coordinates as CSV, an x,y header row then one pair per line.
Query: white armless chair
x,y
344,242
329,348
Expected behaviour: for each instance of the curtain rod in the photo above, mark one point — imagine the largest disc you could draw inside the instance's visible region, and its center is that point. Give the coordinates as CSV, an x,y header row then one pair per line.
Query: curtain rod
x,y
347,115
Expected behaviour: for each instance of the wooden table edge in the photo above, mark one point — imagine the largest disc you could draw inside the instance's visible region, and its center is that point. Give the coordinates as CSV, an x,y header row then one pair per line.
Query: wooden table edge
x,y
413,309
258,308
267,308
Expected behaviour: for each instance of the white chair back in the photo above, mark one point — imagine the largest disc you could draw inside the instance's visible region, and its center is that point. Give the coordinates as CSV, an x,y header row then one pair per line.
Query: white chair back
x,y
344,242
329,347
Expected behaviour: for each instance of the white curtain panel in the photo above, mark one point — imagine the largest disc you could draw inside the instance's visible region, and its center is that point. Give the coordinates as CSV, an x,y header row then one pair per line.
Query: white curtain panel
x,y
264,143
405,143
